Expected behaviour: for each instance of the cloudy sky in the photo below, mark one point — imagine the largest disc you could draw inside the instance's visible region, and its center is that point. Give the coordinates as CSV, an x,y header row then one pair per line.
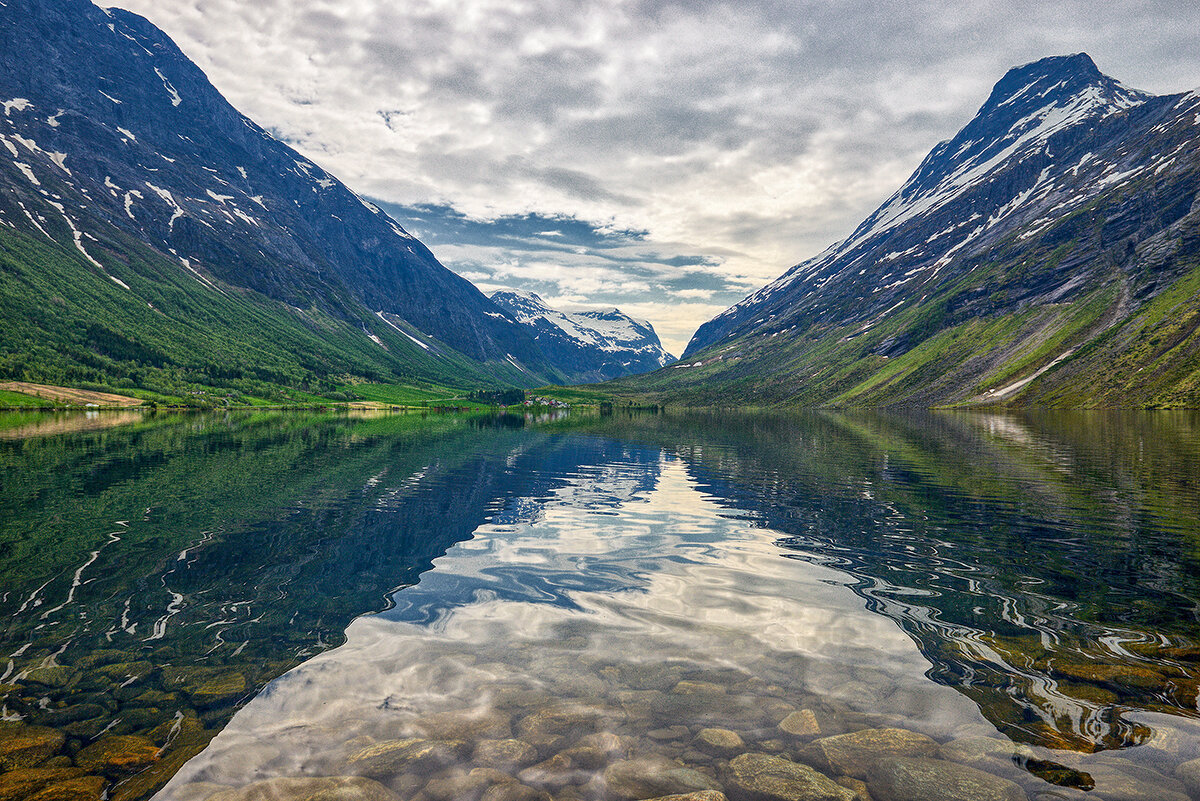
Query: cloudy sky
x,y
664,157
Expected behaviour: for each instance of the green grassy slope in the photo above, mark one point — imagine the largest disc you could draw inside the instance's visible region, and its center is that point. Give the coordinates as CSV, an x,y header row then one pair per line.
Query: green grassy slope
x,y
1117,345
174,337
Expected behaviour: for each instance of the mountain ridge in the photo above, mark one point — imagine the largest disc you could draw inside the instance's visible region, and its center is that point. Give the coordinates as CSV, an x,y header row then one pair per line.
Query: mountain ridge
x,y
1066,205
590,345
114,135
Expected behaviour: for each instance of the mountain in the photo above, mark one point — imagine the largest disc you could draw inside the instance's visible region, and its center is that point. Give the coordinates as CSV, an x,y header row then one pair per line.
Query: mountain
x,y
587,346
136,200
1048,254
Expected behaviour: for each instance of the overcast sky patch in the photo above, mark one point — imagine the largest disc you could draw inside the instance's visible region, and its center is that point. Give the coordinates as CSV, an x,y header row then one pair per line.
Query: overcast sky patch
x,y
737,138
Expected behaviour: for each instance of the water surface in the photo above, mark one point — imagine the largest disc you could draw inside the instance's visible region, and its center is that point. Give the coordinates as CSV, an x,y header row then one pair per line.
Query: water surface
x,y
571,600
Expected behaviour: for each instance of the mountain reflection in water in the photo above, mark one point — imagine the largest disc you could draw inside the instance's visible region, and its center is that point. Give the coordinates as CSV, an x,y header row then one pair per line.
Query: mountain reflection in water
x,y
1043,568
1020,588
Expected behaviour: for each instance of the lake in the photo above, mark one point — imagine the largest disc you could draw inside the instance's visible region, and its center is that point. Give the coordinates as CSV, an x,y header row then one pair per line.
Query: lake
x,y
365,607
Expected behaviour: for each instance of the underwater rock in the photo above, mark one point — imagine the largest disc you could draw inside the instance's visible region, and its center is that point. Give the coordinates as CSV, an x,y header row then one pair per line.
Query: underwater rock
x,y
23,746
501,754
761,777
84,788
924,779
22,782
392,757
649,778
802,724
466,724
333,788
721,742
118,755
463,786
853,754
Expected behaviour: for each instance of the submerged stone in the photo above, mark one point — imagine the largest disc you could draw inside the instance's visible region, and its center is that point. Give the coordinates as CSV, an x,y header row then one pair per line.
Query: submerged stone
x,y
555,773
56,676
558,719
1189,773
463,786
802,724
22,782
1124,781
339,788
647,778
514,792
397,756
924,779
507,753
466,724
721,742
23,746
700,795
761,777
853,754
117,755
84,788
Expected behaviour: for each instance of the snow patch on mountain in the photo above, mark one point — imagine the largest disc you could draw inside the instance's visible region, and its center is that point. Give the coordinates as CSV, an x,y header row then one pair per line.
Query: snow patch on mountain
x,y
592,345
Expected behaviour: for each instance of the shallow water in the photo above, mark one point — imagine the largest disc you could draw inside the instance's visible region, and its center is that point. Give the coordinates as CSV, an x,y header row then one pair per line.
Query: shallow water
x,y
571,603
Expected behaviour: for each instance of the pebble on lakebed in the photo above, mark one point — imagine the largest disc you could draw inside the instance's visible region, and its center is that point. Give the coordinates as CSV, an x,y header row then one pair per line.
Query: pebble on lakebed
x,y
665,732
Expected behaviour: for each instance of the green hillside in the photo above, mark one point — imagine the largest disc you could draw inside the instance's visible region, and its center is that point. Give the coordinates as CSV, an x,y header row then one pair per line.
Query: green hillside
x,y
175,337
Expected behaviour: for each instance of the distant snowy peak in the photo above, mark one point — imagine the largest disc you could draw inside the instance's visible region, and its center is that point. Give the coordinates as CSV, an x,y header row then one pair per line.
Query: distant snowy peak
x,y
592,345
609,329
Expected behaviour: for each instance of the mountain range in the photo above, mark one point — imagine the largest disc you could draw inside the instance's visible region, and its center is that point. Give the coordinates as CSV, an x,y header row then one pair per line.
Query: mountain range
x,y
597,344
1047,254
154,239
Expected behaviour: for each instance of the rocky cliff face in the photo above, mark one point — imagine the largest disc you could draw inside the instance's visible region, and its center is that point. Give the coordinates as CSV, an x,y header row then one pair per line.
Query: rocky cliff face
x,y
587,346
108,127
1049,225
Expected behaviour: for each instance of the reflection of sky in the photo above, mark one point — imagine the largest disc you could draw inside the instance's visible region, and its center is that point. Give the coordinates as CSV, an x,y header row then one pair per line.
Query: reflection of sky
x,y
626,568
611,555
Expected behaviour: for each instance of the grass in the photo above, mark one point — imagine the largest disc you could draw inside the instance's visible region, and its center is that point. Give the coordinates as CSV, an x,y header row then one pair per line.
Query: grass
x,y
19,400
171,339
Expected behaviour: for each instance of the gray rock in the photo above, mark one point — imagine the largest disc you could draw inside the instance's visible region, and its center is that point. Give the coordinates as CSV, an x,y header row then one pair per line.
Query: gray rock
x,y
975,750
761,777
558,719
514,792
1189,773
467,724
335,788
503,754
197,791
802,724
721,742
923,779
393,757
649,778
856,786
554,774
669,733
698,688
1129,782
464,786
854,753
702,795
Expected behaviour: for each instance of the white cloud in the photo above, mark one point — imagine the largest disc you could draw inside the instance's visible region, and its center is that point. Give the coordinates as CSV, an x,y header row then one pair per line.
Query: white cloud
x,y
754,133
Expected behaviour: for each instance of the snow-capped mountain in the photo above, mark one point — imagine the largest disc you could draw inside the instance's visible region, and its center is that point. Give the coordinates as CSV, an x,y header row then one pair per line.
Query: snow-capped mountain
x,y
110,135
587,346
1064,207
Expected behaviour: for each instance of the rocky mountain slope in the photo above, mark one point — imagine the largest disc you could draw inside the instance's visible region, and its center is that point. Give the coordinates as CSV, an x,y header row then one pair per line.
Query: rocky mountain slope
x,y
1046,254
587,346
123,171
